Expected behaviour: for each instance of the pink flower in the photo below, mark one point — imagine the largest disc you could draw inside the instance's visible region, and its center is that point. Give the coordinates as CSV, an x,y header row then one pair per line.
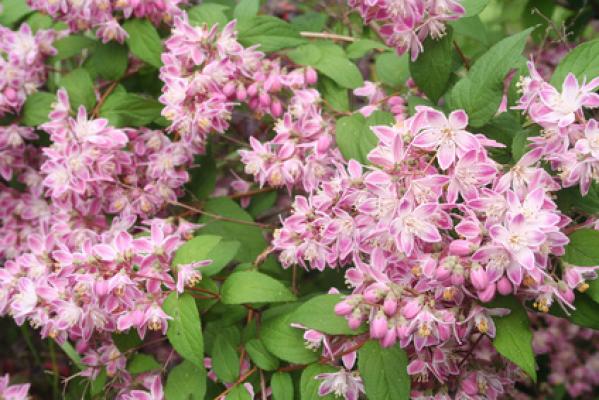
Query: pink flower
x,y
342,383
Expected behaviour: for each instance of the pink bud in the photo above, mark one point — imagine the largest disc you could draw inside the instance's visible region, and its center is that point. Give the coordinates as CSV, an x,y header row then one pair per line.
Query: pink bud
x,y
241,93
442,273
487,294
354,321
390,305
253,90
378,326
568,295
504,286
229,89
276,108
460,247
311,76
411,308
343,308
390,338
479,278
264,99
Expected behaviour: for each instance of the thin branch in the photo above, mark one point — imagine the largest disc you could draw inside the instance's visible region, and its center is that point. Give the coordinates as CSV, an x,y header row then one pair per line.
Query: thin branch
x,y
465,60
325,35
241,379
251,193
220,217
105,95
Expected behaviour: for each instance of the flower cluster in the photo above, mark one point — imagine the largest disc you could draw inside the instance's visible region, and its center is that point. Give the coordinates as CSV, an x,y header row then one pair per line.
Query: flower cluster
x,y
432,229
568,140
22,68
13,392
126,172
207,72
104,15
407,23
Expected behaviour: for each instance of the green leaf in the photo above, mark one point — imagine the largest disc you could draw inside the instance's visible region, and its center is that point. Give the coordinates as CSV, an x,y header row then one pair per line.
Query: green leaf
x,y
71,46
384,371
513,337
124,109
583,249
225,360
144,41
286,342
186,382
37,107
432,69
360,48
282,386
203,179
270,33
239,392
246,9
141,363
126,340
221,255
261,356
474,7
335,95
98,385
354,136
70,351
472,28
13,11
310,21
319,313
392,69
531,17
261,203
309,384
209,14
80,87
519,144
254,287
479,93
570,199
251,238
583,62
185,330
37,21
196,249
109,61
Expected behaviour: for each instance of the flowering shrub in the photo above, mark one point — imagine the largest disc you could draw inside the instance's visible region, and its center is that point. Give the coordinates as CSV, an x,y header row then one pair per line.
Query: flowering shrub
x,y
379,199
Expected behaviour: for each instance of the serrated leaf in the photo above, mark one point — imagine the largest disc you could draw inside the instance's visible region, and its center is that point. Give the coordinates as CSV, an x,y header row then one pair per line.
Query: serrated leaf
x,y
221,255
334,95
513,337
384,371
36,108
124,109
141,363
269,32
246,9
185,330
392,69
71,46
144,41
254,287
285,342
80,88
583,62
260,355
108,60
209,14
583,249
309,384
225,360
319,313
282,386
196,249
432,69
354,137
186,382
310,21
479,93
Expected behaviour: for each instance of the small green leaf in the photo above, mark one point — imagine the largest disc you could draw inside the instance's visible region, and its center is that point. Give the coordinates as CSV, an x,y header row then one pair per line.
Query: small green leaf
x,y
474,7
141,363
432,69
286,342
261,356
354,136
583,62
185,330
384,371
239,392
144,41
246,9
309,384
98,385
124,109
186,382
569,199
70,351
310,21
319,313
225,360
196,249
513,337
80,87
392,69
221,255
360,48
37,107
209,14
71,46
282,386
269,32
583,249
126,340
109,61
254,287
334,95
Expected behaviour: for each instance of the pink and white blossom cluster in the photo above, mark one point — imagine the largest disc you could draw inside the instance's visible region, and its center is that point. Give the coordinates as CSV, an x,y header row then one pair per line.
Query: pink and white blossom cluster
x,y
407,23
13,392
22,68
105,16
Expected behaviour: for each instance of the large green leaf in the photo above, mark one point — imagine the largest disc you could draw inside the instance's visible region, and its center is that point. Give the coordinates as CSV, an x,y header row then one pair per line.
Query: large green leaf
x,y
246,9
196,249
260,355
319,313
583,62
225,360
185,329
391,69
474,7
144,41
209,14
583,249
124,109
254,287
186,382
270,33
513,337
284,341
384,371
479,93
80,88
13,11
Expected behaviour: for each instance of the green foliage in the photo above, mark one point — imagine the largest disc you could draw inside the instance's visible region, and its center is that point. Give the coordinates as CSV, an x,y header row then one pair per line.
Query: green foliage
x,y
209,14
583,62
37,107
144,41
196,249
261,356
319,313
354,136
309,385
124,109
186,382
391,69
141,363
282,386
246,9
270,33
254,287
71,46
113,70
13,11
360,48
513,337
80,87
184,329
583,249
225,360
384,371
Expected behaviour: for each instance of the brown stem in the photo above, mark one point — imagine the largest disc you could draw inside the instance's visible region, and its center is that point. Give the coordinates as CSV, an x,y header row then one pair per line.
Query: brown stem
x,y
105,95
220,217
465,60
241,379
251,193
325,35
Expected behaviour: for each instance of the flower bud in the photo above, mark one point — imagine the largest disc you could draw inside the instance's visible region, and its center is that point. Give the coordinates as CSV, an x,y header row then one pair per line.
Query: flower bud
x,y
343,308
504,286
311,76
487,294
378,326
478,277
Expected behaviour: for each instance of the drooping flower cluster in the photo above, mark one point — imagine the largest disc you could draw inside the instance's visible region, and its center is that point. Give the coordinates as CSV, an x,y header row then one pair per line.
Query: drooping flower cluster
x,y
22,68
407,23
207,72
124,171
104,15
569,140
13,392
432,229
